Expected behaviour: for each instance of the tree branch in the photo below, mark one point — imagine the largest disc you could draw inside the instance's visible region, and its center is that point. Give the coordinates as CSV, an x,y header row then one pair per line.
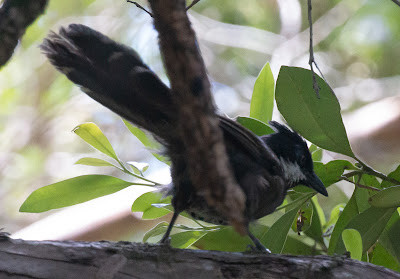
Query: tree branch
x,y
140,7
397,2
205,151
106,260
15,17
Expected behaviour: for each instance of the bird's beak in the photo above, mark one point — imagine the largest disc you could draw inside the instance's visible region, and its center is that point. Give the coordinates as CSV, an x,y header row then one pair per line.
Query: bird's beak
x,y
315,183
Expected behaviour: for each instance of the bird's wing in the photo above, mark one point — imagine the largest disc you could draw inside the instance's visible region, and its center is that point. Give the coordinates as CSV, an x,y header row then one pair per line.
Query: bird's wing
x,y
248,141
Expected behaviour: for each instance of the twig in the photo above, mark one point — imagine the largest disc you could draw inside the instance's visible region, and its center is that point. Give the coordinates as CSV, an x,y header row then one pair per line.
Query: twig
x,y
141,7
193,3
360,185
397,2
311,61
352,173
382,176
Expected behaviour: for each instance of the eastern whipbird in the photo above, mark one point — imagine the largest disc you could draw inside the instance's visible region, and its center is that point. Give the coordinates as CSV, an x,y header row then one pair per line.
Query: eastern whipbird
x,y
114,75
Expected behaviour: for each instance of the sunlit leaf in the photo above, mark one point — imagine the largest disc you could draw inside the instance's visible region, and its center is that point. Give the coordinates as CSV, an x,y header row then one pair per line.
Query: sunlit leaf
x,y
186,239
353,243
137,167
147,141
317,119
257,127
145,202
72,191
262,100
226,239
159,229
95,162
92,134
334,216
317,155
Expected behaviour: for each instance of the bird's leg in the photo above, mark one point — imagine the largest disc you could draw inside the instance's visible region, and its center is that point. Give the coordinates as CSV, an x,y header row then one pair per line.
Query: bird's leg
x,y
165,238
258,246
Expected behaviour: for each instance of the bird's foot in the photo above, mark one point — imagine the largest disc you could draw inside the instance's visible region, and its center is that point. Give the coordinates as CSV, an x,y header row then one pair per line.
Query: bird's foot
x,y
257,249
166,240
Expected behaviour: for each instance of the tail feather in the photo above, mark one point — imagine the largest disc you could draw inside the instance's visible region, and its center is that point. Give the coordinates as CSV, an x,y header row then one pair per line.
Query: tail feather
x,y
115,76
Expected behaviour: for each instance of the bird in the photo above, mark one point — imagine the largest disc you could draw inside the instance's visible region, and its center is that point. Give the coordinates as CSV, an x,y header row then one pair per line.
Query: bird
x,y
114,75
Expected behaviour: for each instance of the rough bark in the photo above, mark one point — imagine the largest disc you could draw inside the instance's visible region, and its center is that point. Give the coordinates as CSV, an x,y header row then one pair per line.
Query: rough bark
x,y
198,124
15,17
106,260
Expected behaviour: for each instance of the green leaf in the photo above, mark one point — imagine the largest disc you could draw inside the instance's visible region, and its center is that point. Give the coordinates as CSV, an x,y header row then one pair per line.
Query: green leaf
x,y
318,209
147,141
313,148
353,243
382,257
395,175
184,240
334,216
389,197
95,162
331,172
317,119
275,237
370,225
72,191
225,239
262,100
362,196
317,155
390,237
145,203
317,221
159,229
349,212
137,167
294,246
257,127
92,134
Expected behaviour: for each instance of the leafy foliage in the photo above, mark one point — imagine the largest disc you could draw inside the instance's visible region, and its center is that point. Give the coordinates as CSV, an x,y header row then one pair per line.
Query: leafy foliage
x,y
367,225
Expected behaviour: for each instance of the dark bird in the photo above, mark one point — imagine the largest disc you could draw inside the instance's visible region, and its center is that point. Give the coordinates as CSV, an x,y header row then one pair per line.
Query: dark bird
x,y
114,75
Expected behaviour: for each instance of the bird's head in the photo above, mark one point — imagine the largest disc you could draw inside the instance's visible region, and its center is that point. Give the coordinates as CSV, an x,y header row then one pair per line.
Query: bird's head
x,y
295,158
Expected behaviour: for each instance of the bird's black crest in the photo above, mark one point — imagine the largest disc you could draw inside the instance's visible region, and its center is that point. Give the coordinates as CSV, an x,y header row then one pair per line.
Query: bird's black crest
x,y
291,134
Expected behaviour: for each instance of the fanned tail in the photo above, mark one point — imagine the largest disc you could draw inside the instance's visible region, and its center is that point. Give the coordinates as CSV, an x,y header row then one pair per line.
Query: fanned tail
x,y
115,76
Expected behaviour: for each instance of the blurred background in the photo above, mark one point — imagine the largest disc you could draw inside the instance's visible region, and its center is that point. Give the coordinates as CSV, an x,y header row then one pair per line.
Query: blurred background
x,y
357,47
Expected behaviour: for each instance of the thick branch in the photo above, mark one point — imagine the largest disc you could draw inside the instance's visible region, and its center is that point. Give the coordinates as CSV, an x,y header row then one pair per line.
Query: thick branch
x,y
15,17
204,148
56,259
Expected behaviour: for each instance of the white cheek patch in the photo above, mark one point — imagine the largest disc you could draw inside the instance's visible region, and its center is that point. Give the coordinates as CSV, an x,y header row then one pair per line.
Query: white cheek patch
x,y
292,171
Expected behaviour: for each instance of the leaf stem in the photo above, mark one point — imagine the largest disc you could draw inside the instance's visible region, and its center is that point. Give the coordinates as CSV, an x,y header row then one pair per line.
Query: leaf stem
x,y
125,170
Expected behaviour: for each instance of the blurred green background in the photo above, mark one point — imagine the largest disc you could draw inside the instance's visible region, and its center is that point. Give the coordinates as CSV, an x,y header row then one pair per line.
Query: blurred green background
x,y
357,47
